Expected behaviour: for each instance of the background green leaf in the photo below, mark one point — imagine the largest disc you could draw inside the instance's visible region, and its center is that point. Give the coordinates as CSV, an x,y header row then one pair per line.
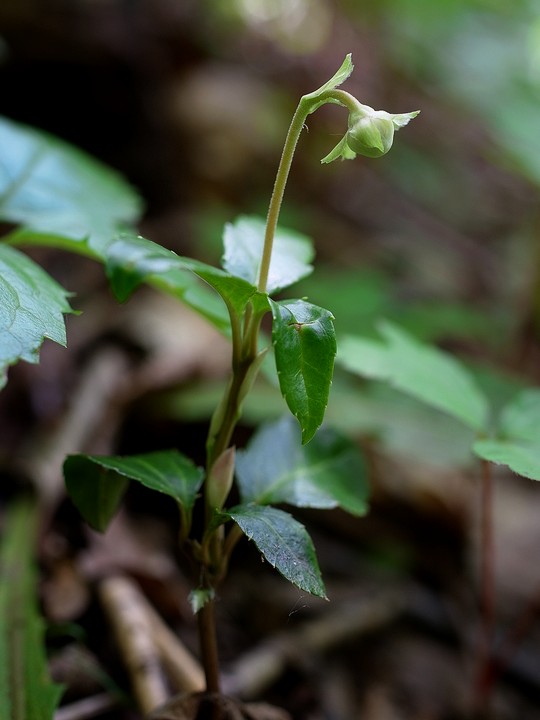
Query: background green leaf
x,y
25,689
326,473
97,483
31,309
243,242
51,188
284,542
424,372
305,347
517,442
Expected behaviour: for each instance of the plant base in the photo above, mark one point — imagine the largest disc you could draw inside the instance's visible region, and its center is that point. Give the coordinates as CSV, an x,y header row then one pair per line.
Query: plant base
x,y
213,706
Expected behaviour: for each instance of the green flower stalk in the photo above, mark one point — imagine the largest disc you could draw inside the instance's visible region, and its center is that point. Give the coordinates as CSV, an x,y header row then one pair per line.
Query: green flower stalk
x,y
370,133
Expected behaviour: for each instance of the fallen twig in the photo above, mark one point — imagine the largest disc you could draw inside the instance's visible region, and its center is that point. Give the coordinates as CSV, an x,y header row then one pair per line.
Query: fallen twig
x,y
90,403
88,708
257,669
134,634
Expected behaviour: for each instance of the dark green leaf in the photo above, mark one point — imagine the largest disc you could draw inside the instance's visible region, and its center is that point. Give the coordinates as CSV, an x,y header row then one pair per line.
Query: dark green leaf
x,y
243,242
424,372
132,259
95,491
96,483
517,444
326,473
284,542
51,188
305,347
26,693
31,309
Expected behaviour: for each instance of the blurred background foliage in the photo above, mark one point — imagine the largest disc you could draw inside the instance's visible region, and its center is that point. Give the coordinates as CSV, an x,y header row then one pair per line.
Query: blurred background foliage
x,y
191,100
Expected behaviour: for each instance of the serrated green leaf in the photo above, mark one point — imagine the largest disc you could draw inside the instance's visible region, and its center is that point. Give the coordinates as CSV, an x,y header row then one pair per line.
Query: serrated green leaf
x,y
283,542
522,459
327,473
32,305
53,189
132,259
97,483
424,372
305,347
243,243
517,444
25,689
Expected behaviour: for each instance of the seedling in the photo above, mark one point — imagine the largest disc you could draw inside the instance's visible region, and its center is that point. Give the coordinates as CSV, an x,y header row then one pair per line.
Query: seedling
x,y
278,466
509,437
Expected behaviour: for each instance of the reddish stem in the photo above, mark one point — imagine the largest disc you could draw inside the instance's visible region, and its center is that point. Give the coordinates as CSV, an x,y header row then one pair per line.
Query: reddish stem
x,y
485,673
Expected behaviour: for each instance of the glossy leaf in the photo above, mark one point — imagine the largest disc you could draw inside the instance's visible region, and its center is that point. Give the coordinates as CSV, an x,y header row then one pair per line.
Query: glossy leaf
x,y
96,483
31,309
305,347
132,259
51,188
283,542
517,444
327,473
424,372
243,242
26,691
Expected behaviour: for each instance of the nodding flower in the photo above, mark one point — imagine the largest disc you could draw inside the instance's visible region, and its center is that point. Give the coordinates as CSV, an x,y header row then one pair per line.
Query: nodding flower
x,y
370,133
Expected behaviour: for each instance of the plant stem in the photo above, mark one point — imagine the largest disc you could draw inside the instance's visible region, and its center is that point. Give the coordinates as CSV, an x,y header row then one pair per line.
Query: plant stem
x,y
208,643
245,360
232,411
307,105
485,676
295,128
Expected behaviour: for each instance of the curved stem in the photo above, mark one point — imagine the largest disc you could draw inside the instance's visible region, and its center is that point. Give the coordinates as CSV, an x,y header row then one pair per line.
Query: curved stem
x,y
307,105
342,97
295,128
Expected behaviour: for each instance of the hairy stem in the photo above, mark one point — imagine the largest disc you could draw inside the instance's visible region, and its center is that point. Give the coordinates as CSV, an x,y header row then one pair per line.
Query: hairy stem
x,y
307,105
295,128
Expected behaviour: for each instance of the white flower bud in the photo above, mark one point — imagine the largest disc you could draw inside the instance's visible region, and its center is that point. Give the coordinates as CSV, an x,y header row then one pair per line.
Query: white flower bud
x,y
371,133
